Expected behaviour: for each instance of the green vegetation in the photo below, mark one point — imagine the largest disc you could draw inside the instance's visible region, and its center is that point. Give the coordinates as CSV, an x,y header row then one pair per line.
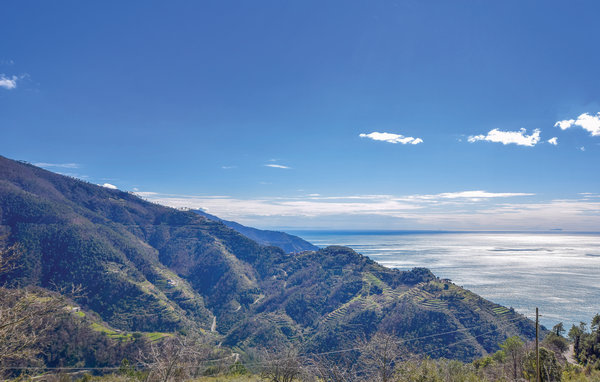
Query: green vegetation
x,y
151,274
586,343
382,359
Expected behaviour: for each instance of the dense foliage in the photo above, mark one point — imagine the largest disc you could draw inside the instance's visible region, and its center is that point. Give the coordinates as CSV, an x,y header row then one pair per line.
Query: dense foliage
x,y
586,343
147,268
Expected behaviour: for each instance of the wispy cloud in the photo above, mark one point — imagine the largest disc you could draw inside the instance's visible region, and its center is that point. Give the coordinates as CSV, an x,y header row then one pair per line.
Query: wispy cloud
x,y
57,165
8,82
111,186
392,138
273,165
473,209
477,194
312,206
553,141
568,214
509,137
589,195
228,167
586,121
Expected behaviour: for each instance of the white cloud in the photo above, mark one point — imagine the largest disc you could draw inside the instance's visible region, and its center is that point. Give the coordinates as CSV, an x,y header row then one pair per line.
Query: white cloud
x,y
455,198
480,194
277,166
573,214
391,138
228,167
111,186
553,141
57,165
586,121
229,207
451,210
589,195
582,148
507,137
8,82
565,124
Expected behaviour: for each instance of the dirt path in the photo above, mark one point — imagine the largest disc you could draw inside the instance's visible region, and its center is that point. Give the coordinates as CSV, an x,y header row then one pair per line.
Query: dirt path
x,y
213,327
570,355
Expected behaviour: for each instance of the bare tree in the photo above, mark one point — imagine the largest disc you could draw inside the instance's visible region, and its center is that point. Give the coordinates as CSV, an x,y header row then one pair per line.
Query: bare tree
x,y
284,366
337,369
379,356
26,316
180,358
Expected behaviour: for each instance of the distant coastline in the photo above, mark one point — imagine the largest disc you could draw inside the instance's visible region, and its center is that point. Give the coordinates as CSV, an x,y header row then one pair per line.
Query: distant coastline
x,y
300,232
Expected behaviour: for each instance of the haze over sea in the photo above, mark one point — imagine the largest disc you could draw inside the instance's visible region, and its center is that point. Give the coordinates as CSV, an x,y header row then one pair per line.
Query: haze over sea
x,y
557,272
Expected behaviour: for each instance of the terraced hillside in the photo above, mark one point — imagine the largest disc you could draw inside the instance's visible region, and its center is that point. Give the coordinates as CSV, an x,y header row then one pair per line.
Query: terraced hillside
x,y
151,269
343,297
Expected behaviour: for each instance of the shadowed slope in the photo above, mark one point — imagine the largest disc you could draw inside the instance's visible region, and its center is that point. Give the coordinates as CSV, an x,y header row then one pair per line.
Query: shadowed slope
x,y
148,267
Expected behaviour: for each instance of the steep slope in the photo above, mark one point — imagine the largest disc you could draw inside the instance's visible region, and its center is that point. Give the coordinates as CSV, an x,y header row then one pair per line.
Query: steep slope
x,y
289,243
45,329
334,298
146,267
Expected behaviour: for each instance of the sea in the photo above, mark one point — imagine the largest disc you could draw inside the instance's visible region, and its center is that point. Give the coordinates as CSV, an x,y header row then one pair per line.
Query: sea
x,y
557,272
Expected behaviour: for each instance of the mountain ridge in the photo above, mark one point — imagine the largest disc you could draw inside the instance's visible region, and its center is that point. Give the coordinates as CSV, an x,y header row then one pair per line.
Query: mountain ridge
x,y
287,242
152,268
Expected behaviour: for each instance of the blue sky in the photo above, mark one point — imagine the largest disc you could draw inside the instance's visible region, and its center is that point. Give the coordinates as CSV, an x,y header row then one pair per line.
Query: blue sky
x,y
337,114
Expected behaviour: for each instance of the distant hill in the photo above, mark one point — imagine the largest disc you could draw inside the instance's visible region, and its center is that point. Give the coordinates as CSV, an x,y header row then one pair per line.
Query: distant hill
x,y
289,243
150,268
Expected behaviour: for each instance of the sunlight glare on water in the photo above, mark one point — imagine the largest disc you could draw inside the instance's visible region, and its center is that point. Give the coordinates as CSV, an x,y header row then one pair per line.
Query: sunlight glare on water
x,y
557,272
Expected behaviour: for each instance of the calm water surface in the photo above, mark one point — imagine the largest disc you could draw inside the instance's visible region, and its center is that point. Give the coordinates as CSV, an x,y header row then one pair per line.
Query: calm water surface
x,y
557,272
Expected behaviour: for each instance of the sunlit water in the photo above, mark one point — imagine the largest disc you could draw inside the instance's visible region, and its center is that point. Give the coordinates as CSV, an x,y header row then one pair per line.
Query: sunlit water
x,y
557,272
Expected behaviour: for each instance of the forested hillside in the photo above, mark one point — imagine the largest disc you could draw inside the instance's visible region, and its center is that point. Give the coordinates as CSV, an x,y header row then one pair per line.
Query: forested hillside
x,y
149,269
